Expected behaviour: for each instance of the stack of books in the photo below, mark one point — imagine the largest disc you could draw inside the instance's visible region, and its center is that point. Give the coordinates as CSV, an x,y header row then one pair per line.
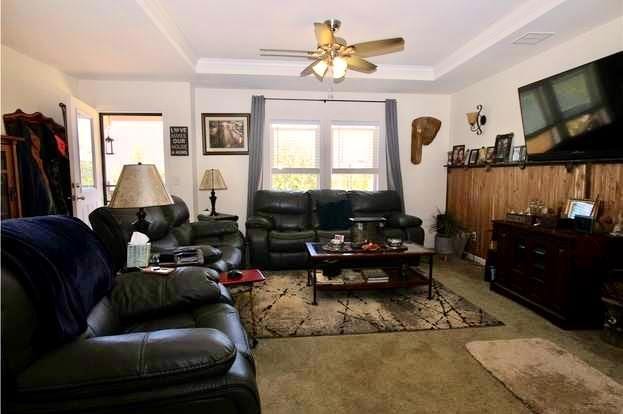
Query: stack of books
x,y
375,276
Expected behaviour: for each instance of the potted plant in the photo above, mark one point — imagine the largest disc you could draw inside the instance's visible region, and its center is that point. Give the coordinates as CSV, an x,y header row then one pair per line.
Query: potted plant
x,y
447,229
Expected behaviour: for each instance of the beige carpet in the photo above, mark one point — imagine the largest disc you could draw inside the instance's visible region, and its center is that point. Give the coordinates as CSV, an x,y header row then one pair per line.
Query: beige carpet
x,y
283,308
548,378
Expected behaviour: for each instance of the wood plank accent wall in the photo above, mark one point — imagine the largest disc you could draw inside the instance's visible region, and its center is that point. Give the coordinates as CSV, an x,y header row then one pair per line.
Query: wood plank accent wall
x,y
477,196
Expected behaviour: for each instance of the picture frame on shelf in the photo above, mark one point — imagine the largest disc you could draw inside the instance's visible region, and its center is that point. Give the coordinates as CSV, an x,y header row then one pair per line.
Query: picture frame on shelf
x,y
516,154
490,155
473,156
503,146
482,155
225,133
581,207
449,158
458,155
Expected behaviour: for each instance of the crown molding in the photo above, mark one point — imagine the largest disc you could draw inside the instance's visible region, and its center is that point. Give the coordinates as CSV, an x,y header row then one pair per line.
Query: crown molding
x,y
258,67
161,19
501,29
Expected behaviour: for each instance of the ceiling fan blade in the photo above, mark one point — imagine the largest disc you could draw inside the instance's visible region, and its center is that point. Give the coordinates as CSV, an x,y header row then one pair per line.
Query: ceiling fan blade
x,y
360,65
310,69
292,56
379,47
308,52
324,35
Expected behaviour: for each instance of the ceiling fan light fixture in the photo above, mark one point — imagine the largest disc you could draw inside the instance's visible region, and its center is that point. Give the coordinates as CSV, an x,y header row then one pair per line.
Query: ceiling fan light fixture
x,y
339,66
320,68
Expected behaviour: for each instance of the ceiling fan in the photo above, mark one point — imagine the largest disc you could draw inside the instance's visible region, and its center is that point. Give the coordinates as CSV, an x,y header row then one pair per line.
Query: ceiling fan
x,y
335,54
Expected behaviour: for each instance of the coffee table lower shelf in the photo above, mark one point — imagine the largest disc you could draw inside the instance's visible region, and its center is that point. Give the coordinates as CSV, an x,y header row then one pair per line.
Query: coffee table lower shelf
x,y
398,278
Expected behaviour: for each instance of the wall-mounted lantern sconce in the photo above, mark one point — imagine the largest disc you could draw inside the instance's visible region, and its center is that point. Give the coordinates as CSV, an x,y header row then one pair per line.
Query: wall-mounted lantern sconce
x,y
476,121
108,149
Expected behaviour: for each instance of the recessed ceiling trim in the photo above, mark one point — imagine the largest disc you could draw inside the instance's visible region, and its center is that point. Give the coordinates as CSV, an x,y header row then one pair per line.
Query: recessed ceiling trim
x,y
498,31
161,19
287,68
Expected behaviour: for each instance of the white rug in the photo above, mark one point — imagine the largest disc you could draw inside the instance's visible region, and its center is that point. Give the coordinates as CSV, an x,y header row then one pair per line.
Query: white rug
x,y
547,378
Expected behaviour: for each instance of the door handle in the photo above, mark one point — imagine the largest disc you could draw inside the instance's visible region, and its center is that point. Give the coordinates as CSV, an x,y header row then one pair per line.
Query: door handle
x,y
74,198
81,198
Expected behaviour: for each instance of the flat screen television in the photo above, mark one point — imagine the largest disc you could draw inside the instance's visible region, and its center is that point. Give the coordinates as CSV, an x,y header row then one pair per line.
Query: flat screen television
x,y
577,114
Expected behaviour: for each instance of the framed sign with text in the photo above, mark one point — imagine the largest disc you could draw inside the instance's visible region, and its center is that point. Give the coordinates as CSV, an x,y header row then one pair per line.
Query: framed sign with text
x,y
179,140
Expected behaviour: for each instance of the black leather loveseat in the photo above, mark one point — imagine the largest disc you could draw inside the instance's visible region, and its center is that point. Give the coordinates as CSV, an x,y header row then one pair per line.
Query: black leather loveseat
x,y
170,228
153,344
284,221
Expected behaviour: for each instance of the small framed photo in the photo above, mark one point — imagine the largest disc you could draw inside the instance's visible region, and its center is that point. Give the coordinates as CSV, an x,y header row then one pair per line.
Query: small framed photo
x,y
503,146
449,157
473,156
482,156
458,155
516,154
490,157
225,134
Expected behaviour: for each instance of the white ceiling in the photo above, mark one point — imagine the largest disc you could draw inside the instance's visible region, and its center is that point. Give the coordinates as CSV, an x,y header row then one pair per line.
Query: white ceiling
x,y
449,43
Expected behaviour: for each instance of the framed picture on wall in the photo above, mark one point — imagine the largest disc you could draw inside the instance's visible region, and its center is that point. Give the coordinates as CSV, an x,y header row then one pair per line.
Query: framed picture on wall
x,y
225,134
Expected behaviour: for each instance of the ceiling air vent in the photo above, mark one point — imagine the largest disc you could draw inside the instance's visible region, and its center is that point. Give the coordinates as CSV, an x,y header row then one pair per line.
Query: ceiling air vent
x,y
532,38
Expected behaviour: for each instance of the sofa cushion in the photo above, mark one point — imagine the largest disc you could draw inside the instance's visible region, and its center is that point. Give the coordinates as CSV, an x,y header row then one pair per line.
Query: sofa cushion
x,y
291,241
375,203
288,210
323,197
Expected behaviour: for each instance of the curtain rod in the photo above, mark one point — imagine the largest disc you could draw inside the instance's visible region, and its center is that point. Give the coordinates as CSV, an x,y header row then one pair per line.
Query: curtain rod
x,y
322,100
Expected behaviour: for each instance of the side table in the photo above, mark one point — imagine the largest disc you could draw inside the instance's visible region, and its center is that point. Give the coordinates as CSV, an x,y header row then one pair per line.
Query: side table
x,y
249,278
205,216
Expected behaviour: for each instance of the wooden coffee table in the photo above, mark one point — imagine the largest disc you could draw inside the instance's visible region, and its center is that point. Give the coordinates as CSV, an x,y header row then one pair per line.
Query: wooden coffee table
x,y
397,264
249,278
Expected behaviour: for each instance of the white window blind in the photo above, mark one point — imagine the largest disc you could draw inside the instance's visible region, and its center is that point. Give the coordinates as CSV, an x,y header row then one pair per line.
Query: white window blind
x,y
295,156
355,151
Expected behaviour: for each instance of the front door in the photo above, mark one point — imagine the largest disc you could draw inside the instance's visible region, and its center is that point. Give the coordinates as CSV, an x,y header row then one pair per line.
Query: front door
x,y
85,158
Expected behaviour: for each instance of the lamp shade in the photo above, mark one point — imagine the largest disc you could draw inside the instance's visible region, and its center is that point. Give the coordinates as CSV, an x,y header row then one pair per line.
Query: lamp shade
x,y
472,117
139,185
212,180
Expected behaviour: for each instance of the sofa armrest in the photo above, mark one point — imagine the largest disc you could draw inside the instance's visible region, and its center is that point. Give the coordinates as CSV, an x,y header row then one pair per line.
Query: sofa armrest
x,y
257,244
137,294
257,222
127,363
401,220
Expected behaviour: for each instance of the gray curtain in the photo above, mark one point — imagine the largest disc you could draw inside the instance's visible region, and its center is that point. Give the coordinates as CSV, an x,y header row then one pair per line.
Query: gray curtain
x,y
256,145
394,175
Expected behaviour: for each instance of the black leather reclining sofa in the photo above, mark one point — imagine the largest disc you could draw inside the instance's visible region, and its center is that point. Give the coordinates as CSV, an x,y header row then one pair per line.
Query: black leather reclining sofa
x,y
284,221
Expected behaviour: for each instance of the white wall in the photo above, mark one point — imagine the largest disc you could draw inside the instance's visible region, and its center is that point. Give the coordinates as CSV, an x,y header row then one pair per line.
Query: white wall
x,y
424,184
33,86
498,93
172,99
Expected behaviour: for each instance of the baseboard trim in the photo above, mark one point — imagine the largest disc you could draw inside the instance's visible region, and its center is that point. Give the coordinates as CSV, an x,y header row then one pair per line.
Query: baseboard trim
x,y
475,259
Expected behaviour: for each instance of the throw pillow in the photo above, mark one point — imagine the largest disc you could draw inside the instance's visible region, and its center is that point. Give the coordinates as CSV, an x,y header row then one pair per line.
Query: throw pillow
x,y
334,215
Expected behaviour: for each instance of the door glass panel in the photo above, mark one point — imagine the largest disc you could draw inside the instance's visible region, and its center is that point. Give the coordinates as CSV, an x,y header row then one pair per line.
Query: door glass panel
x,y
85,150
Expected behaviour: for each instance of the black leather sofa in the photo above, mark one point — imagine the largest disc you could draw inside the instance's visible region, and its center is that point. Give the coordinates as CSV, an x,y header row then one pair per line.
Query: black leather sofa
x,y
170,228
284,221
181,359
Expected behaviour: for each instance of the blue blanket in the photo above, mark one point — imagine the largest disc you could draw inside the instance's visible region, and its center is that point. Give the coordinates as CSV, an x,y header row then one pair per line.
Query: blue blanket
x,y
64,268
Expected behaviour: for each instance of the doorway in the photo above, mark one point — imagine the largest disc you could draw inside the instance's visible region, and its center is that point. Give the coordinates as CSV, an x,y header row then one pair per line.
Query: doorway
x,y
130,138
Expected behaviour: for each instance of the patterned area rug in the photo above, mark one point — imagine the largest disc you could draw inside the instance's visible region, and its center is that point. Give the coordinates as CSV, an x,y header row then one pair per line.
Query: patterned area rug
x,y
547,378
283,307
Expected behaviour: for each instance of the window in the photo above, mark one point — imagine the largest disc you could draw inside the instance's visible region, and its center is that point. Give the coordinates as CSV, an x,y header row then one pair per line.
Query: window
x,y
295,156
303,158
355,163
134,138
85,149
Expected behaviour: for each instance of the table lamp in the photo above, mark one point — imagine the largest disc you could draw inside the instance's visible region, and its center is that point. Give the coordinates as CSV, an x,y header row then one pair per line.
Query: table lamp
x,y
139,186
212,180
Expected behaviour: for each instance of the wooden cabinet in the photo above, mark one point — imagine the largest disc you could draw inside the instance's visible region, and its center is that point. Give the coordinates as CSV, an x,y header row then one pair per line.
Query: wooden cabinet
x,y
557,273
10,198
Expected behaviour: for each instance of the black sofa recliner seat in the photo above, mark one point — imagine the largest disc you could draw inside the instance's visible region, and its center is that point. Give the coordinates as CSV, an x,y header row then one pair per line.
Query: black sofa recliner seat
x,y
283,221
192,355
170,228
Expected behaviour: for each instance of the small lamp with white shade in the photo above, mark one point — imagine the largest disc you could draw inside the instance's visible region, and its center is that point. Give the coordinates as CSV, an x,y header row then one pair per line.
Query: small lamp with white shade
x,y
212,180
